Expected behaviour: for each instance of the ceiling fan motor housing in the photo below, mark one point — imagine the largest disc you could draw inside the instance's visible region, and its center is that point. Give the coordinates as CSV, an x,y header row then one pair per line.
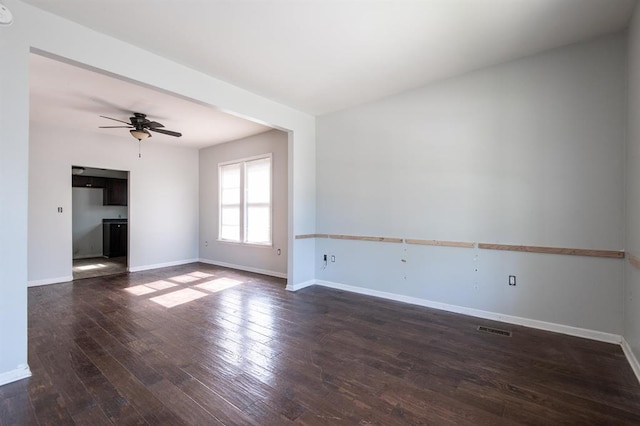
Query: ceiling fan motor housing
x,y
140,126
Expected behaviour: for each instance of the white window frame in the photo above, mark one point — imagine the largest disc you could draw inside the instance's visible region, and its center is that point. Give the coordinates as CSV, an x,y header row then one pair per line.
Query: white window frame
x,y
243,205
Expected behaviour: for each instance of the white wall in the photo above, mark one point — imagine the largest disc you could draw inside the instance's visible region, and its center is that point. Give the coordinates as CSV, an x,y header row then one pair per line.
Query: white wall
x,y
163,198
259,259
86,220
14,134
528,152
632,274
33,29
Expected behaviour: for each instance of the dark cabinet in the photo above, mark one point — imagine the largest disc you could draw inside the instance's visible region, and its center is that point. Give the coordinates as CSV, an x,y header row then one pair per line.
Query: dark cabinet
x,y
115,192
78,181
114,239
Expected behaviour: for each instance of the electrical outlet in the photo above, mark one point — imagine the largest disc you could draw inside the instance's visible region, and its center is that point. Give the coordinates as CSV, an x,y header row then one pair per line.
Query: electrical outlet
x,y
512,280
324,257
206,243
333,258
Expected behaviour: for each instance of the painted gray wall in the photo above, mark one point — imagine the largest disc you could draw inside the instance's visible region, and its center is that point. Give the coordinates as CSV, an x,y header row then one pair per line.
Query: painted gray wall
x,y
632,275
527,152
265,259
87,214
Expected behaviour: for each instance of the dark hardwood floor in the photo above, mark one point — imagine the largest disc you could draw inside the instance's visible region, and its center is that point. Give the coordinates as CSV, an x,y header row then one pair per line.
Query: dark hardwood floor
x,y
202,345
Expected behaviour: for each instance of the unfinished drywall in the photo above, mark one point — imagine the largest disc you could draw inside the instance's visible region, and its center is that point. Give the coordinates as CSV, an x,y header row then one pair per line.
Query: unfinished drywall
x,y
528,152
270,260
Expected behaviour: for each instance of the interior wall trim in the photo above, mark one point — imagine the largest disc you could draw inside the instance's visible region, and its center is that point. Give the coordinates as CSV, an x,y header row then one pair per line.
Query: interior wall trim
x,y
244,268
300,286
161,265
440,243
611,254
616,254
22,372
47,281
352,237
365,238
631,357
304,236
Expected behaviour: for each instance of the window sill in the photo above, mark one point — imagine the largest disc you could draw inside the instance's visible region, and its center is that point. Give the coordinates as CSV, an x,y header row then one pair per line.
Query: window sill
x,y
239,243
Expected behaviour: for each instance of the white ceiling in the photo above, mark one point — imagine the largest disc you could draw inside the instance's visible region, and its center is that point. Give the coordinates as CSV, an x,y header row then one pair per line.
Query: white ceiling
x,y
68,96
325,55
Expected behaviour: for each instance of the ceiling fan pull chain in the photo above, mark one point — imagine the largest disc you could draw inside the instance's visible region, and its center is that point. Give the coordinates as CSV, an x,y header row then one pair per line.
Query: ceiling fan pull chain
x,y
139,143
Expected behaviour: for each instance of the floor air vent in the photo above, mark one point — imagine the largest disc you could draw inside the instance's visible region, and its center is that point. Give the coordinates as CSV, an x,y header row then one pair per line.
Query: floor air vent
x,y
494,331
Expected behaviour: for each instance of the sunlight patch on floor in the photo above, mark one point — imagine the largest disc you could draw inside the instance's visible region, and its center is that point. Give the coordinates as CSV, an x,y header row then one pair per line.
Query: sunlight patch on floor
x,y
199,274
90,267
184,279
218,284
139,290
161,285
178,297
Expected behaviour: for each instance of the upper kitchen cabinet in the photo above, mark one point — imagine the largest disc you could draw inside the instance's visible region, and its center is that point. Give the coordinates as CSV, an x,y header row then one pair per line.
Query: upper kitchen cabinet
x,y
78,181
115,192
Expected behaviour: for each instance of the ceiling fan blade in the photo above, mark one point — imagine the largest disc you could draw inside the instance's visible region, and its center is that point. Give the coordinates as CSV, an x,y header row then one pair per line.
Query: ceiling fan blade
x,y
115,119
153,124
115,127
166,132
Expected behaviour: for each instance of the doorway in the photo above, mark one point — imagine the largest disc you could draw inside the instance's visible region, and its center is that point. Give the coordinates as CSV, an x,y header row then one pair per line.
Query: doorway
x,y
100,221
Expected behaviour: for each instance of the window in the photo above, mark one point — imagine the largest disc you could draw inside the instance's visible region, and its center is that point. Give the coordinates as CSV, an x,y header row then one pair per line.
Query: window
x,y
245,201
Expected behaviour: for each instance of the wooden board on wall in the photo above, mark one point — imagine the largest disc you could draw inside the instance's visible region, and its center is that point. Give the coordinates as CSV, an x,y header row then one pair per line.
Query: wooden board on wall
x,y
304,236
440,243
365,238
554,250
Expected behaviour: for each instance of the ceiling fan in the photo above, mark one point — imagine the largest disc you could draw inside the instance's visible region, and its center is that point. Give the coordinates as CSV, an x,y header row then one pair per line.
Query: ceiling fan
x,y
140,126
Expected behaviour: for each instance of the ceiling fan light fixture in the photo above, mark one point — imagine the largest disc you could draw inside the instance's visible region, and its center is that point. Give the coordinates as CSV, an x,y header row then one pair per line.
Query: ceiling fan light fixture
x,y
6,18
139,134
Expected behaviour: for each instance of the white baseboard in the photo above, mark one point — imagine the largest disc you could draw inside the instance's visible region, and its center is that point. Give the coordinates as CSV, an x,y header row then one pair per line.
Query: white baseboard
x,y
631,357
22,372
161,265
300,286
47,281
527,322
244,268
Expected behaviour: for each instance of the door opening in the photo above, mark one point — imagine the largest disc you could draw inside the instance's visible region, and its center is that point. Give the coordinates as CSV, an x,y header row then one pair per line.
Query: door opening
x,y
100,221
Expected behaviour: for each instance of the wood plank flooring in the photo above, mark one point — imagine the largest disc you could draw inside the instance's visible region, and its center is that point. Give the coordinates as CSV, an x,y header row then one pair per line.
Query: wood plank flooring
x,y
201,345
